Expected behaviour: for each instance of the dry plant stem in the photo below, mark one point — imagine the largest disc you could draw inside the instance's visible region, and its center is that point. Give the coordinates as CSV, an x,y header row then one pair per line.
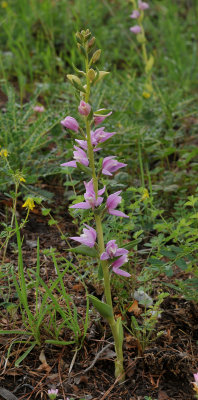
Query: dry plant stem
x,y
119,370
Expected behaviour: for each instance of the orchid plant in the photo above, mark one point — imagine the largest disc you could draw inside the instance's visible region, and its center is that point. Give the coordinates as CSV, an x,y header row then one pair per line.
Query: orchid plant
x,y
138,30
88,144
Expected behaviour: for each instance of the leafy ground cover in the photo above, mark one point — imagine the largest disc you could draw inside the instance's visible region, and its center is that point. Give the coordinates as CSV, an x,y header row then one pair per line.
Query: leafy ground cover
x,y
51,337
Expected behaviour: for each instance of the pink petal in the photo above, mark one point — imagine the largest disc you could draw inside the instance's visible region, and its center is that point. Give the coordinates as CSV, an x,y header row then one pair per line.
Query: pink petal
x,y
105,172
117,213
84,241
99,201
69,164
121,252
121,272
84,205
104,256
113,200
101,191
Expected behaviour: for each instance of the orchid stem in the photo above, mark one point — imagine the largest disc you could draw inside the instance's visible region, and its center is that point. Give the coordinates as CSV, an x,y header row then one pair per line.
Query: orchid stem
x,y
119,369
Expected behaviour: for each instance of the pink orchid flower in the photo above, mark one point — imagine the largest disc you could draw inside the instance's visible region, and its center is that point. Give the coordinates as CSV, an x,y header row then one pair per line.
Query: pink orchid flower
x,y
70,123
79,156
142,5
90,197
84,108
118,263
111,165
39,109
113,251
100,118
88,238
112,202
135,14
135,29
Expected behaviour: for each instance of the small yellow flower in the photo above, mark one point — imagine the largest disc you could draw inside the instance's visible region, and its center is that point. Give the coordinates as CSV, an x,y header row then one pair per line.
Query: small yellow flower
x,y
21,179
145,195
4,4
29,203
4,153
146,95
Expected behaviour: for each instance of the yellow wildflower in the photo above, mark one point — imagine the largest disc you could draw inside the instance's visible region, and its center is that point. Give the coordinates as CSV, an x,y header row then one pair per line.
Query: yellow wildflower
x,y
146,95
22,179
4,153
29,203
4,4
145,195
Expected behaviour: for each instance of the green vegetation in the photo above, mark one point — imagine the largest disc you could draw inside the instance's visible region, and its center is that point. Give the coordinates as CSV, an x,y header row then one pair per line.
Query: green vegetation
x,y
157,140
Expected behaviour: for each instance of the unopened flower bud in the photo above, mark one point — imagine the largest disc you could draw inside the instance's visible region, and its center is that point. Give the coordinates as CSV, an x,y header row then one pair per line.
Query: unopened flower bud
x,y
96,56
39,109
135,29
74,78
70,123
135,14
84,108
91,42
143,5
91,74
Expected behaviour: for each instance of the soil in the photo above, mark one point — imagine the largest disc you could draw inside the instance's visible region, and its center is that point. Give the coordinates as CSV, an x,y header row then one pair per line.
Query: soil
x,y
164,371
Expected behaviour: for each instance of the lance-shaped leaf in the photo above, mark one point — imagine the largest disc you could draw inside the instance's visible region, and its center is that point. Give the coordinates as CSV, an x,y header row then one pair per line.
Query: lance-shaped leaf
x,y
84,168
85,251
102,112
104,309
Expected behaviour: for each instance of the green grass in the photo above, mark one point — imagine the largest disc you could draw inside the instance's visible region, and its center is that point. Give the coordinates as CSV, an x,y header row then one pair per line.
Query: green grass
x,y
157,137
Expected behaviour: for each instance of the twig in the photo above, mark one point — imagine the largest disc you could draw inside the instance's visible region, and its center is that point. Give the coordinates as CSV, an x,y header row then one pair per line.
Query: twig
x,y
95,359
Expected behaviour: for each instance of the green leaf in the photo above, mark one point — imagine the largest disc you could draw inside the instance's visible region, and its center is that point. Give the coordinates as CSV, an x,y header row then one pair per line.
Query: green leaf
x,y
102,112
85,250
24,355
168,254
84,168
181,263
132,244
45,211
52,221
149,64
104,309
194,215
59,342
78,87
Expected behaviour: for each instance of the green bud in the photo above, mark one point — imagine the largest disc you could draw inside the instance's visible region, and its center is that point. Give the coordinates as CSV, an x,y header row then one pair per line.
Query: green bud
x,y
96,56
74,78
91,74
